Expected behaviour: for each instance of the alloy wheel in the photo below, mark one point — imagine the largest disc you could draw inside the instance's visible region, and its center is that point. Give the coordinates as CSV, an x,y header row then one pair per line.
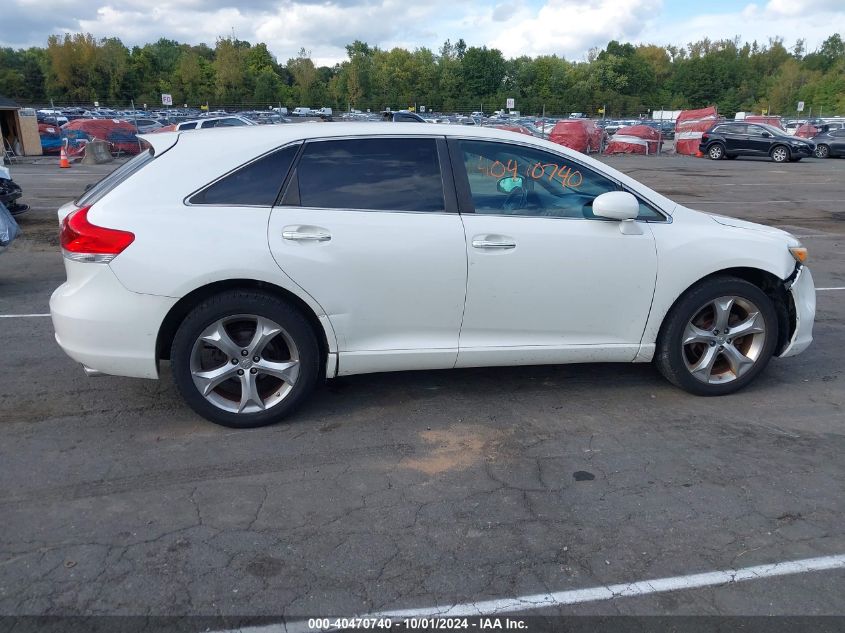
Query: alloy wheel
x,y
780,155
822,151
715,152
244,363
723,340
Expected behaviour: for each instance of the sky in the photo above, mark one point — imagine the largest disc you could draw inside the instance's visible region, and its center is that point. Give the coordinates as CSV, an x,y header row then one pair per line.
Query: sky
x,y
568,28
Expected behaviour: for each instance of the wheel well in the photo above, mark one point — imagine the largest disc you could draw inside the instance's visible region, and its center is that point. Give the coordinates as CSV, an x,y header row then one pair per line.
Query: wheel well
x,y
769,284
187,303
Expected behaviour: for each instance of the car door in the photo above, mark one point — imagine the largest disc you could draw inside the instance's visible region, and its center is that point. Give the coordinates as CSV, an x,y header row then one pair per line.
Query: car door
x,y
760,140
548,281
735,138
837,142
368,229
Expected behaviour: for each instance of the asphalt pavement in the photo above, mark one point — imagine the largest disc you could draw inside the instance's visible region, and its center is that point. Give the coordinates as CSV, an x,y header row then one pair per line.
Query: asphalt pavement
x,y
413,490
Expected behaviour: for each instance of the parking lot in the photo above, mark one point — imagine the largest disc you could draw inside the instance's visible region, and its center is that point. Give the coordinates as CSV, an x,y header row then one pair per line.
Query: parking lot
x,y
425,490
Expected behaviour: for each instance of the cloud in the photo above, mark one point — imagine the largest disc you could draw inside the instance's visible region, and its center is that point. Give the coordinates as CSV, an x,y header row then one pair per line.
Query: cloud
x,y
815,21
572,27
531,27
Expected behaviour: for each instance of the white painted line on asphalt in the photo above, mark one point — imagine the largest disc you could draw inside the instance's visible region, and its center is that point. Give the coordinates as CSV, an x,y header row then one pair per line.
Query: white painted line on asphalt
x,y
22,316
593,594
824,289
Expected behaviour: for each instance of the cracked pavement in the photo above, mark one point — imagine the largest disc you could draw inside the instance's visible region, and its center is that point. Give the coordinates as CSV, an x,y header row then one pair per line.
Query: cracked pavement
x,y
398,491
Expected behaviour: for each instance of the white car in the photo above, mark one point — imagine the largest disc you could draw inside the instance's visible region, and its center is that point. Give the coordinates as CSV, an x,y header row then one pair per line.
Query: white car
x,y
326,250
214,122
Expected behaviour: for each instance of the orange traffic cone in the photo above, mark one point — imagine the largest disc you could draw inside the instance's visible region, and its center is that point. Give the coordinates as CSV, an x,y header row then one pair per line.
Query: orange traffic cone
x,y
64,163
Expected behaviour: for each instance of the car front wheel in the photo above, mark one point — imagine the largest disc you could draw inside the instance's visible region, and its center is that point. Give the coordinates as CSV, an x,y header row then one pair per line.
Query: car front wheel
x,y
822,151
780,154
244,359
717,337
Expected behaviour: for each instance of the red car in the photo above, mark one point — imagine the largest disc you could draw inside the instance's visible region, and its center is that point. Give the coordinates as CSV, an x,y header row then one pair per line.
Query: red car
x,y
582,135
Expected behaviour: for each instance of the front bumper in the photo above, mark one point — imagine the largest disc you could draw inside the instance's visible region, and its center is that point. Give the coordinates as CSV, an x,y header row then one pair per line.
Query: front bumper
x,y
803,295
803,150
104,326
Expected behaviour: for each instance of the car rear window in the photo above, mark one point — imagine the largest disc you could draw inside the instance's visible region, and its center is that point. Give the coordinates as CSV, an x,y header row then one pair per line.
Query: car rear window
x,y
379,174
256,184
111,181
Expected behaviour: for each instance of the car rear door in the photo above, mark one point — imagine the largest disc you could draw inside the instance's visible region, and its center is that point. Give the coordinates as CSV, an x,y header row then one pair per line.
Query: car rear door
x,y
368,226
548,282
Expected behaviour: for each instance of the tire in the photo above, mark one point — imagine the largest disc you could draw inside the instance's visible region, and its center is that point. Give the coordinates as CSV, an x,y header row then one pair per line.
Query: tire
x,y
780,153
240,391
822,151
708,364
716,151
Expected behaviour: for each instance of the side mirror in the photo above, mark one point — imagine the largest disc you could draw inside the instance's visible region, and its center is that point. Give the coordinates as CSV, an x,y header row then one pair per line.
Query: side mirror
x,y
508,184
766,135
616,205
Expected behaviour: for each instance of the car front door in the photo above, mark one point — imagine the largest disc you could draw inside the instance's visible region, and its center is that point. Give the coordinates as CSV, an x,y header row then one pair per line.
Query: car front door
x,y
837,142
368,229
760,140
548,281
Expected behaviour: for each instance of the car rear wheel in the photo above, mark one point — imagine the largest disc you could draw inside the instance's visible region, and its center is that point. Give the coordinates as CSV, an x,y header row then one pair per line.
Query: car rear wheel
x,y
822,151
244,359
780,154
716,152
717,337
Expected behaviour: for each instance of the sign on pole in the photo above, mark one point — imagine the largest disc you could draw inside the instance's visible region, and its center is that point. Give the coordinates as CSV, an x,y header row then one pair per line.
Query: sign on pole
x,y
166,99
511,104
800,107
422,108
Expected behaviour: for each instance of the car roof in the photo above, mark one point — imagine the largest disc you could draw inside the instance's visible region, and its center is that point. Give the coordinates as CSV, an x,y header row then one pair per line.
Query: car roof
x,y
246,142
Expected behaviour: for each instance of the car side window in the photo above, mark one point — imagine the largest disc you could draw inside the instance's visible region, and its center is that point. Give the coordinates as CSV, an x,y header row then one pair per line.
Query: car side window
x,y
378,174
756,130
508,179
187,126
208,124
255,184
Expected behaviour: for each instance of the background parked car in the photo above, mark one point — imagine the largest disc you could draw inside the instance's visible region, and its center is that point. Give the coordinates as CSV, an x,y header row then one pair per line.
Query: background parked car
x,y
402,116
209,122
582,135
829,144
731,139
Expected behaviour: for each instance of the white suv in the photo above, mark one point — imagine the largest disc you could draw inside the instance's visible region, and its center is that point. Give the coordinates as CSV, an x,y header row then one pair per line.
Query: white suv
x,y
305,251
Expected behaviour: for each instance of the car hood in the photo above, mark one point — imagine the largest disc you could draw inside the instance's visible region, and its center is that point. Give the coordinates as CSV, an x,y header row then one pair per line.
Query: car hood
x,y
725,220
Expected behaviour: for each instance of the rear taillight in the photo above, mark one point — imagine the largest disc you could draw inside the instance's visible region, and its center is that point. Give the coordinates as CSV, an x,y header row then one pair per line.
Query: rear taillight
x,y
705,137
85,242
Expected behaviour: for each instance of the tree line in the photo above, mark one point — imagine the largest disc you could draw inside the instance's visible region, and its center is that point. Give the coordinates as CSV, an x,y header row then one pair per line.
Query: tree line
x,y
626,79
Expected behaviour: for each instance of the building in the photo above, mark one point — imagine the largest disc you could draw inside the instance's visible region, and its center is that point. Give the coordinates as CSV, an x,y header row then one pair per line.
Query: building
x,y
19,128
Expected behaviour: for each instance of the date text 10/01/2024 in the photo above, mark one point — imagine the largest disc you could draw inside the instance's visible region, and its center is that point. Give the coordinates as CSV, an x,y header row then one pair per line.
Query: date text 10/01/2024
x,y
422,623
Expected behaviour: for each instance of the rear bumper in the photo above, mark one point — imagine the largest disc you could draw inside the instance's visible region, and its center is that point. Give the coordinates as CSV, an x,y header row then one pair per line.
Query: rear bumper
x,y
104,326
803,294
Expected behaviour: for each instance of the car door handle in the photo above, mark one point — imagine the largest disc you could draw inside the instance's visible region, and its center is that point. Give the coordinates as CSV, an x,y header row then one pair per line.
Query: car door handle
x,y
305,236
500,244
